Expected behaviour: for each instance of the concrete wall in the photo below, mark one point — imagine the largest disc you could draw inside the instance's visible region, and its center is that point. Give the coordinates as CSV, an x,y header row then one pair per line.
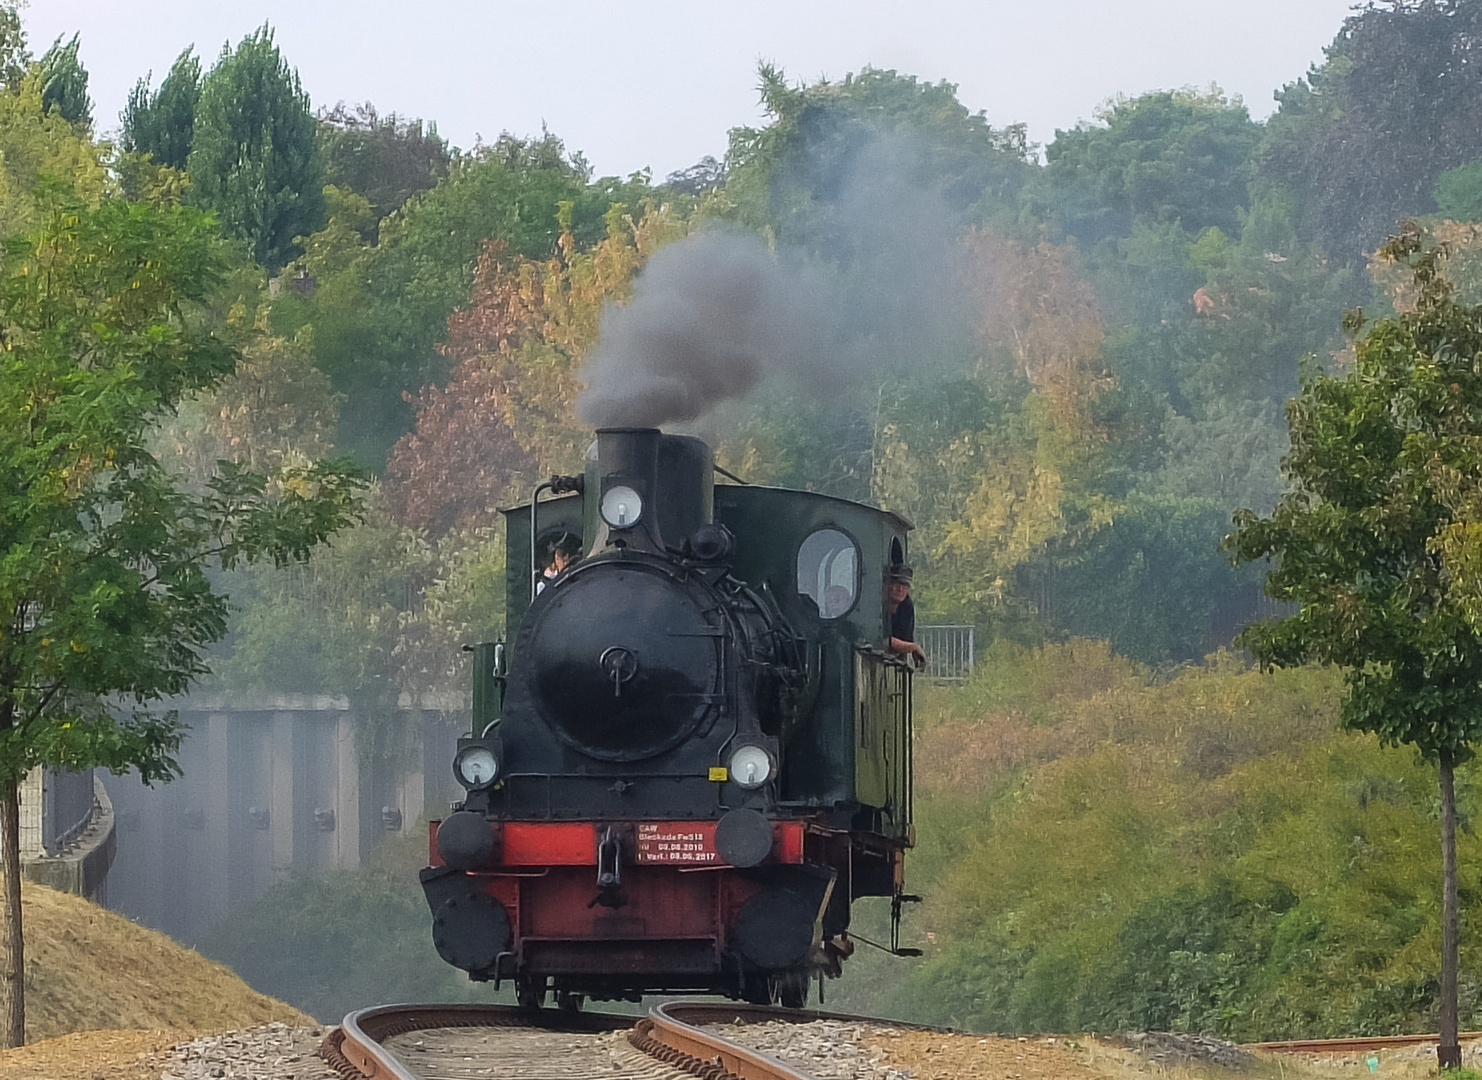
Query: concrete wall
x,y
81,862
271,787
55,809
67,837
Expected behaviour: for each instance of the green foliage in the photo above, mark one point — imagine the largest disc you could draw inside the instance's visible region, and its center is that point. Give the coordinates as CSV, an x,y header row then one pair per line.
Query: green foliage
x,y
1148,581
784,176
304,941
41,149
1232,456
1375,538
15,58
1378,541
326,626
1362,141
162,123
253,156
104,578
1102,851
1163,158
386,159
381,309
1458,192
64,83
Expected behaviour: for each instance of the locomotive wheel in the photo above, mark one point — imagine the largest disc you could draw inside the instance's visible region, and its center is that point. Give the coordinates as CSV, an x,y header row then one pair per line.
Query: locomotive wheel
x,y
530,991
570,1004
756,988
792,989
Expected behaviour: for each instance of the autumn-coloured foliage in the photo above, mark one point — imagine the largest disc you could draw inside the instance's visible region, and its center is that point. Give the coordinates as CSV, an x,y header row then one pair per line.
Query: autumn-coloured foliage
x,y
1036,309
506,417
462,458
990,497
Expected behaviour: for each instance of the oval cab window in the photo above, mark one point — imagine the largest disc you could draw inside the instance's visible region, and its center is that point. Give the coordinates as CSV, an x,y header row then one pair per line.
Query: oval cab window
x,y
828,571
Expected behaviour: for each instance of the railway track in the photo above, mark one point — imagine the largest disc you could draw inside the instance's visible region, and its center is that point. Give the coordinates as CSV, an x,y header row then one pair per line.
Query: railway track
x,y
1356,1045
675,1041
502,1042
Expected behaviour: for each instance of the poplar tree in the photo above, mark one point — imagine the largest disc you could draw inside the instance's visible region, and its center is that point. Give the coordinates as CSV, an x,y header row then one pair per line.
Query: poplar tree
x,y
1379,541
253,157
162,123
64,83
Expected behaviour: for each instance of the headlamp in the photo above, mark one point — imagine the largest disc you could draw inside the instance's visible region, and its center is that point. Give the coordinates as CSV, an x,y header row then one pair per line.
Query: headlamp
x,y
621,507
476,767
750,767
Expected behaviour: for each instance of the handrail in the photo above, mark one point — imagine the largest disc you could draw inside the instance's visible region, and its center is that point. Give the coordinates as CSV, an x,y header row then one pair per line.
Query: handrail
x,y
534,503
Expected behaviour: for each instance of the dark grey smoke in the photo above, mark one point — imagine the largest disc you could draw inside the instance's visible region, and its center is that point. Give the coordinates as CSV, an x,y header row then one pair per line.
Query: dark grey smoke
x,y
874,282
710,318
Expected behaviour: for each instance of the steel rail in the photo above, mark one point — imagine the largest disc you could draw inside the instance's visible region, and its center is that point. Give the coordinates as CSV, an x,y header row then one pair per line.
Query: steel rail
x,y
671,1033
355,1049
1362,1042
676,1025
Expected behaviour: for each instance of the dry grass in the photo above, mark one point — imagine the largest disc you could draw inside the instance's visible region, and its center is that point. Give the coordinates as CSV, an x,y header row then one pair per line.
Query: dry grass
x,y
937,1056
1402,1063
89,969
90,1055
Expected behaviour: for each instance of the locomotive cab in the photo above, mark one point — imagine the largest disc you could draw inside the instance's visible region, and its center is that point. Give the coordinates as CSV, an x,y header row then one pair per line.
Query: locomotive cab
x,y
697,755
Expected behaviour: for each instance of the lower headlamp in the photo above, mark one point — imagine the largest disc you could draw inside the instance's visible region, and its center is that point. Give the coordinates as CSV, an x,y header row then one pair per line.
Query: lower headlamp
x,y
476,767
751,766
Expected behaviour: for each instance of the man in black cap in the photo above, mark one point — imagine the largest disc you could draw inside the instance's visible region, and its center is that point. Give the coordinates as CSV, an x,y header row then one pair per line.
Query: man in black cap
x,y
562,555
902,615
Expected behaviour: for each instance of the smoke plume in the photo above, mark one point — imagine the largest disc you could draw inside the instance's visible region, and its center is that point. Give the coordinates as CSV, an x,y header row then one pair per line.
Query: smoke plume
x,y
873,282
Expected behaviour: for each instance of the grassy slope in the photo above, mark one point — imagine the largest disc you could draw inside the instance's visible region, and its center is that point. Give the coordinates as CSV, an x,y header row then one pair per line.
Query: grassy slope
x,y
89,969
1100,851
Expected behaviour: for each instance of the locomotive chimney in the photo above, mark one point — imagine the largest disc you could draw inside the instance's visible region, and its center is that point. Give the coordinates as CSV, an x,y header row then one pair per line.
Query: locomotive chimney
x,y
654,490
628,466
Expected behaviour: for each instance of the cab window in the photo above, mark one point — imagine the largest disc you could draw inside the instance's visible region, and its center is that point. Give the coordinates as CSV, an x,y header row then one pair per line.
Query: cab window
x,y
828,571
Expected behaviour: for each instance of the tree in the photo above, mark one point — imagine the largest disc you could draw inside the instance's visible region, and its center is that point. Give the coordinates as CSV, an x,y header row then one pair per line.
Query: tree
x,y
1458,193
380,309
702,176
36,144
507,413
253,156
386,159
275,410
162,124
15,58
64,83
104,561
786,175
1169,156
1378,541
1365,136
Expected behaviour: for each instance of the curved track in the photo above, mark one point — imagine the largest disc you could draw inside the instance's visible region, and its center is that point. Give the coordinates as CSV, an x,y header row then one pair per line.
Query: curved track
x,y
502,1042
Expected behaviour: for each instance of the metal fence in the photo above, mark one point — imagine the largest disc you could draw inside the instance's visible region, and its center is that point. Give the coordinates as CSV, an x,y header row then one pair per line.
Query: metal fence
x,y
949,652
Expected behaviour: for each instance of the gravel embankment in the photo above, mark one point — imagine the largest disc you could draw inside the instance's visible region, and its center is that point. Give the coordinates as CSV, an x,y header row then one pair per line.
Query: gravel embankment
x,y
826,1049
272,1052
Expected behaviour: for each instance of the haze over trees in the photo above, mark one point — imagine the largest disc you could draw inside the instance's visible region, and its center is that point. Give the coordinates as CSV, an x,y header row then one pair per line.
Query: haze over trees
x,y
1074,367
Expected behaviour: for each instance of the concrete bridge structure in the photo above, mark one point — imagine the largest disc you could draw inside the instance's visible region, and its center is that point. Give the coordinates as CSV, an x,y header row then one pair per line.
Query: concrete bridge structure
x,y
273,786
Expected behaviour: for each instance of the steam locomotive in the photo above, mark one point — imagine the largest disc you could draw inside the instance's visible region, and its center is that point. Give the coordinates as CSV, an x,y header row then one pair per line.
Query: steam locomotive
x,y
694,756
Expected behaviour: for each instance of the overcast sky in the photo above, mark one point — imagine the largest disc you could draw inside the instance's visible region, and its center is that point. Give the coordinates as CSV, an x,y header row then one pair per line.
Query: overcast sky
x,y
658,84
